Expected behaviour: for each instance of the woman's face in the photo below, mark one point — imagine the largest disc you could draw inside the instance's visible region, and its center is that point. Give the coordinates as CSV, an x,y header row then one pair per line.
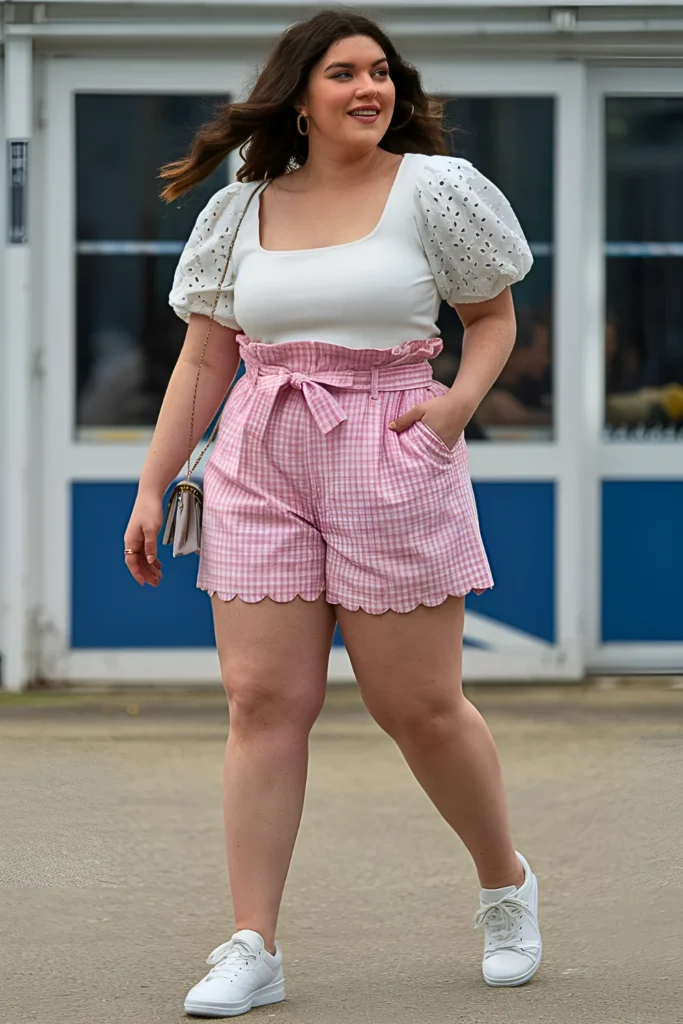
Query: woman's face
x,y
350,97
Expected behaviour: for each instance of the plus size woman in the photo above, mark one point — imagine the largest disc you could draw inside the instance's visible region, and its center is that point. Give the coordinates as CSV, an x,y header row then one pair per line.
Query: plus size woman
x,y
338,488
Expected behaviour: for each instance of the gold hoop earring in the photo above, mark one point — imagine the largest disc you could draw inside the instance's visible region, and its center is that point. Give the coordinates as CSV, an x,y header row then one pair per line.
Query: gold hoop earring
x,y
397,127
298,124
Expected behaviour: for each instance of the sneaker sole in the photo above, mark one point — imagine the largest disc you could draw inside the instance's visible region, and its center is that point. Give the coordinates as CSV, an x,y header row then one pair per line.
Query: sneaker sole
x,y
517,981
273,993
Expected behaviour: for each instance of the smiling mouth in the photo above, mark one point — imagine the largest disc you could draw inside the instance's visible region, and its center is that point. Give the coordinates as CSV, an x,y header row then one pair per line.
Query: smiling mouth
x,y
364,112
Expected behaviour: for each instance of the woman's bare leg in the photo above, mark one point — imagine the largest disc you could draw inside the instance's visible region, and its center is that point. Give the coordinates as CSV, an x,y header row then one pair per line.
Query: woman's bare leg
x,y
408,667
274,661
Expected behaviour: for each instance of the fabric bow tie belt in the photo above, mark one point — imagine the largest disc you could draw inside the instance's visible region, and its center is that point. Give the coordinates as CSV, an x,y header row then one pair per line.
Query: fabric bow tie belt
x,y
324,407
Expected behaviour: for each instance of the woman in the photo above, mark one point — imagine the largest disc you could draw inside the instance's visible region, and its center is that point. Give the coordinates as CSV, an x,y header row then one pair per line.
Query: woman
x,y
338,490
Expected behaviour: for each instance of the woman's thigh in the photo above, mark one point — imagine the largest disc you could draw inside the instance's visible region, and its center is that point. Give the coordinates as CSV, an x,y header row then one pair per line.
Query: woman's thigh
x,y
274,657
408,665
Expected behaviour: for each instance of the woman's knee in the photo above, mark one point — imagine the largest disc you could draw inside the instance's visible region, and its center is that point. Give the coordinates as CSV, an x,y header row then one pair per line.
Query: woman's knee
x,y
265,698
422,714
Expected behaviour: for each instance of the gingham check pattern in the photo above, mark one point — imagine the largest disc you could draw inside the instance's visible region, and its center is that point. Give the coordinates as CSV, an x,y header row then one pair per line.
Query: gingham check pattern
x,y
309,491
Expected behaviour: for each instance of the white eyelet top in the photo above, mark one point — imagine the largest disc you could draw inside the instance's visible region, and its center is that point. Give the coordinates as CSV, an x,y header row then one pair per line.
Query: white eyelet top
x,y
446,232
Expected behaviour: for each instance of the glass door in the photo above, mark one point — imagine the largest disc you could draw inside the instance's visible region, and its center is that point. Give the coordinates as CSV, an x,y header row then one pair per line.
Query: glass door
x,y
110,248
636,296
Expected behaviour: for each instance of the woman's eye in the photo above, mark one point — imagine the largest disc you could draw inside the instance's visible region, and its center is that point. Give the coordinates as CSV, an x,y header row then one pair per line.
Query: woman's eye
x,y
384,72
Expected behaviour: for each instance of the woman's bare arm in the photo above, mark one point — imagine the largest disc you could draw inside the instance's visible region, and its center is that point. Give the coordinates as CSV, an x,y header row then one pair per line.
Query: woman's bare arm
x,y
168,448
169,445
490,331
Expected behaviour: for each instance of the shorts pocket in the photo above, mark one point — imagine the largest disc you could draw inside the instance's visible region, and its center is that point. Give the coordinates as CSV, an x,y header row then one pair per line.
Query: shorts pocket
x,y
428,443
439,440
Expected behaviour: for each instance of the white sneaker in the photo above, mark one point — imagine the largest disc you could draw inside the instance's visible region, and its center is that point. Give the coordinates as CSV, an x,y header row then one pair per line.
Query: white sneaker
x,y
245,975
512,940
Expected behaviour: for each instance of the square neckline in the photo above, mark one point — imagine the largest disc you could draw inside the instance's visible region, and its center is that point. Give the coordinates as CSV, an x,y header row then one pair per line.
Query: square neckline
x,y
338,245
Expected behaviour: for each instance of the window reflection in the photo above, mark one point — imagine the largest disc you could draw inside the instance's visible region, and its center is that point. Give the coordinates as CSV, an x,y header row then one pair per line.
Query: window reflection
x,y
127,246
644,252
510,140
128,339
521,395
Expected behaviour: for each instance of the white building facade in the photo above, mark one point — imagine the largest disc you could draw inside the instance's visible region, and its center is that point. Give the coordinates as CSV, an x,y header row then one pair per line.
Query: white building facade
x,y
575,112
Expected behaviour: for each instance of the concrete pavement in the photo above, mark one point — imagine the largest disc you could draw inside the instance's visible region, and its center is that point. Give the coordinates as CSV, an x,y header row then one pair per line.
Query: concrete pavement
x,y
113,887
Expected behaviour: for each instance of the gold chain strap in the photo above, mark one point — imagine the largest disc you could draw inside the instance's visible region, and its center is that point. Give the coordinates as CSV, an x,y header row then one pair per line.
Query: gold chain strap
x,y
190,470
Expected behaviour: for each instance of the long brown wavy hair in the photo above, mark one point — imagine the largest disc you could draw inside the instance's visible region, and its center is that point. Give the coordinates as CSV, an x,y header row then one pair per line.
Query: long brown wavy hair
x,y
264,126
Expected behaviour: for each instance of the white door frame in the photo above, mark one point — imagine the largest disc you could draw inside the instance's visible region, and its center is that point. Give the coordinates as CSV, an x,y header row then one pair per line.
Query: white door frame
x,y
630,460
17,382
66,459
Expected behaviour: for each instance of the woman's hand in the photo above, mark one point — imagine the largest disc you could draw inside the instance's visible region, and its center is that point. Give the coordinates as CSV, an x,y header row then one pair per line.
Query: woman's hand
x,y
441,414
141,539
486,344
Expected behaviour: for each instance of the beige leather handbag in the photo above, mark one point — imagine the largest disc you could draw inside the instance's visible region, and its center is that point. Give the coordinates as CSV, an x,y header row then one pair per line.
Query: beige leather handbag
x,y
183,522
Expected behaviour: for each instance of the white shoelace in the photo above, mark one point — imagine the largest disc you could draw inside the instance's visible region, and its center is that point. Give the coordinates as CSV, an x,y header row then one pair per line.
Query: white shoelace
x,y
230,958
503,920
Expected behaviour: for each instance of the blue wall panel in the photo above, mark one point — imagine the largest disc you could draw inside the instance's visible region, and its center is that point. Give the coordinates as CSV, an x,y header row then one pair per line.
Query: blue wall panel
x,y
642,561
518,526
110,610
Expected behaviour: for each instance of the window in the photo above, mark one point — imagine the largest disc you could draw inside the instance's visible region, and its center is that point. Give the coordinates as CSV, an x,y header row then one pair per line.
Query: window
x,y
644,254
127,245
510,140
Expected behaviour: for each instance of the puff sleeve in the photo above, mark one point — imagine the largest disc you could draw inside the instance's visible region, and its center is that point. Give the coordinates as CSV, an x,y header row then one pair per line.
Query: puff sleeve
x,y
471,236
200,267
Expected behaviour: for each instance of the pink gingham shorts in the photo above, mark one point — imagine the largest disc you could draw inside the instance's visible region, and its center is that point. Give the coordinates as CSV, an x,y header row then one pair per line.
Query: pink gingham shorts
x,y
308,491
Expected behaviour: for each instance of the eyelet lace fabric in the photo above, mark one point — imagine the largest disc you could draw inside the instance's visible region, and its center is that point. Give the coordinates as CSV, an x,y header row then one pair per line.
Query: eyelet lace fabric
x,y
201,263
471,236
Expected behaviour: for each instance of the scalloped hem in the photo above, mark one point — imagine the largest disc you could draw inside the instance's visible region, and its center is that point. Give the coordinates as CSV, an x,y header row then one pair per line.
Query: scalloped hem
x,y
403,609
224,596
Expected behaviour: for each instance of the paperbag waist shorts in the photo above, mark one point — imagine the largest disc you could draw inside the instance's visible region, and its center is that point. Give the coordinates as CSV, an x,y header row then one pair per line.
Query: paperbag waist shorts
x,y
308,491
